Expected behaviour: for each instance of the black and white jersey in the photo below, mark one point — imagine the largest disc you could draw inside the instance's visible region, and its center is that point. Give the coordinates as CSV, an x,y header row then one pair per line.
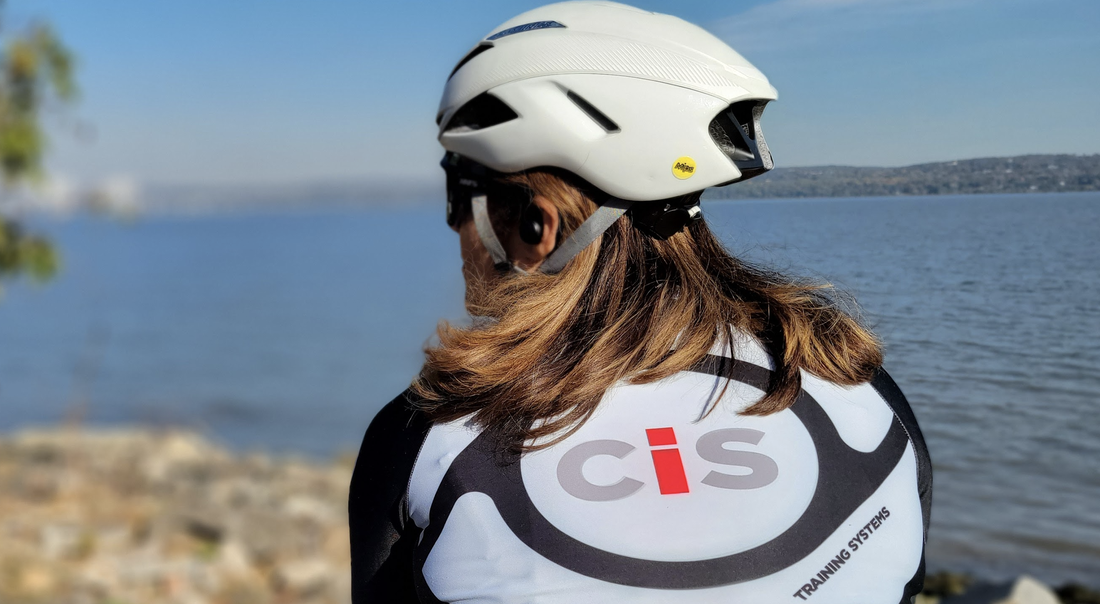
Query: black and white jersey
x,y
653,499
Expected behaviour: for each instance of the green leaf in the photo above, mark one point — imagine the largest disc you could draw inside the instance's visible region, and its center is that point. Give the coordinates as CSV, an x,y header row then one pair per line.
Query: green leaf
x,y
25,254
36,72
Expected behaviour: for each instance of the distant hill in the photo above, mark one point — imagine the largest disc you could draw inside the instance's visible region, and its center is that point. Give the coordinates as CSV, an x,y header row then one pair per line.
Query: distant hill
x,y
1022,174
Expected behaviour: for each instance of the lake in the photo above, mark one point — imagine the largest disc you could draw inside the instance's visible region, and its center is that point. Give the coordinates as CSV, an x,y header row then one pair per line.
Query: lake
x,y
285,330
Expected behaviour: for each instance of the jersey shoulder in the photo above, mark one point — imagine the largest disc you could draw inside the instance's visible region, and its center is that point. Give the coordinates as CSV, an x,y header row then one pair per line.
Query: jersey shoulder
x,y
388,452
381,538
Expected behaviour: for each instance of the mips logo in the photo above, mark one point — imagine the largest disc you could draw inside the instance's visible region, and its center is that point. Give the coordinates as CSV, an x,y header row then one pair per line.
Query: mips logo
x,y
668,466
683,168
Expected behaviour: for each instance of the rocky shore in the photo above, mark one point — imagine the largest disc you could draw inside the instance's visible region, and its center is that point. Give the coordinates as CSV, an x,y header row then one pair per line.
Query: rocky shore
x,y
140,516
137,517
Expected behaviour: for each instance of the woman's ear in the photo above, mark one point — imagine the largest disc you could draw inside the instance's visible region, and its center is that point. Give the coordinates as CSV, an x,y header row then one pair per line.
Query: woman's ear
x,y
529,256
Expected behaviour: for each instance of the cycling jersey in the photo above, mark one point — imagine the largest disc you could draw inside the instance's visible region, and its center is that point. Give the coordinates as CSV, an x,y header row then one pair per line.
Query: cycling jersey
x,y
653,499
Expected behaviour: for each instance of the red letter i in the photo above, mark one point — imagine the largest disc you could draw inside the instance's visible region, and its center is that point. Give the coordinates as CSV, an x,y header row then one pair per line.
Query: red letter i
x,y
670,468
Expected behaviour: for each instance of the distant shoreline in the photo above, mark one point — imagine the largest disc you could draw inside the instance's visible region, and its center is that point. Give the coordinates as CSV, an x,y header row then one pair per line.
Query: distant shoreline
x,y
1020,174
995,176
1061,173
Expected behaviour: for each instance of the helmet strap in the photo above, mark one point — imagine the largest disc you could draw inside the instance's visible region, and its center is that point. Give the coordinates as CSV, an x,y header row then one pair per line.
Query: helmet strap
x,y
584,236
588,232
480,210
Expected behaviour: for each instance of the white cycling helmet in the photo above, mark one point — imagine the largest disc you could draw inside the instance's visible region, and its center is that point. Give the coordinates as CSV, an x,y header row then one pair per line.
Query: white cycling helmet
x,y
640,105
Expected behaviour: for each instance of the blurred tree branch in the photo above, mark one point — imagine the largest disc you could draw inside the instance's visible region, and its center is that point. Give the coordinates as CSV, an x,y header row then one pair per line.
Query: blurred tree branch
x,y
36,70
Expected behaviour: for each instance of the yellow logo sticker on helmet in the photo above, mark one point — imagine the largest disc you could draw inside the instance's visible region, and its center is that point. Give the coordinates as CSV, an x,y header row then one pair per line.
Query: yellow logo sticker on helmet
x,y
683,168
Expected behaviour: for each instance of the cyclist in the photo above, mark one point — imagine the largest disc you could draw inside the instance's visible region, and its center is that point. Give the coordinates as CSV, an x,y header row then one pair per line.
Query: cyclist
x,y
634,415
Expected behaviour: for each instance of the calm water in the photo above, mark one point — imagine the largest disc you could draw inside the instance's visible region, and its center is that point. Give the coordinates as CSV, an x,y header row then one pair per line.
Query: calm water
x,y
286,331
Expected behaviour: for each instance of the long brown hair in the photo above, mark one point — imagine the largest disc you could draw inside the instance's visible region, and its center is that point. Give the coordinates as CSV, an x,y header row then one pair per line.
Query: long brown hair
x,y
628,307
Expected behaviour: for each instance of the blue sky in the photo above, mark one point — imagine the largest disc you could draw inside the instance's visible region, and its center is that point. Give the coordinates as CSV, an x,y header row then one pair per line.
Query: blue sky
x,y
257,91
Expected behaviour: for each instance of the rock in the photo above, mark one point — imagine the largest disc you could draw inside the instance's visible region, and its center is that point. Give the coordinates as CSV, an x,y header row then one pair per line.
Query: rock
x,y
38,580
244,593
183,448
946,583
309,508
176,451
266,535
1073,593
341,587
25,579
240,492
204,529
59,540
302,577
233,559
1027,590
101,576
336,544
114,539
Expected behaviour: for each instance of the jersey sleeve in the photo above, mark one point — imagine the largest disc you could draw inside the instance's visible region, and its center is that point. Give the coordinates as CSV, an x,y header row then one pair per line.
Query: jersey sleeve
x,y
900,406
382,535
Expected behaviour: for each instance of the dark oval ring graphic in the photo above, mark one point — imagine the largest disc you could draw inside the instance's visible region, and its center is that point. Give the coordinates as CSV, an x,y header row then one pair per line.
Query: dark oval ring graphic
x,y
846,478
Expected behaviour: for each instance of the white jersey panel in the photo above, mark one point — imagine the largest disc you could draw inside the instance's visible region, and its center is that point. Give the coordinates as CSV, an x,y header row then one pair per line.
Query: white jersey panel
x,y
443,443
655,500
858,412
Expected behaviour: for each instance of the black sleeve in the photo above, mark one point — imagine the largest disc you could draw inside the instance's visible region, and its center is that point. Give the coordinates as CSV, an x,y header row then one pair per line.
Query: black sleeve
x,y
382,535
897,401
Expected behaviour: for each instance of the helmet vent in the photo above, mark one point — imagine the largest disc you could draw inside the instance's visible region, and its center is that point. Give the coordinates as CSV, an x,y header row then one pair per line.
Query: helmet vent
x,y
597,116
483,111
480,48
737,133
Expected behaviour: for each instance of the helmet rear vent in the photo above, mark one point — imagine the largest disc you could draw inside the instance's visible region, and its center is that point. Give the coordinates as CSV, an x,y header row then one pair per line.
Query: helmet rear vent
x,y
737,133
597,116
483,111
731,136
480,48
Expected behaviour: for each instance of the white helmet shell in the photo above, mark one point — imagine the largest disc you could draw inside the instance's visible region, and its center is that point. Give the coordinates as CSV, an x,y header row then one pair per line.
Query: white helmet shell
x,y
621,97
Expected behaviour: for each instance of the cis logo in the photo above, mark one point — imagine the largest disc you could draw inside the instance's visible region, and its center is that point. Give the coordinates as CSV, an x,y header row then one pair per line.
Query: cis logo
x,y
668,465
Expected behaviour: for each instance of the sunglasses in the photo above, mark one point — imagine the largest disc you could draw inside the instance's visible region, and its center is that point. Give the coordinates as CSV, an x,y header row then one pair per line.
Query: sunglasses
x,y
466,179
